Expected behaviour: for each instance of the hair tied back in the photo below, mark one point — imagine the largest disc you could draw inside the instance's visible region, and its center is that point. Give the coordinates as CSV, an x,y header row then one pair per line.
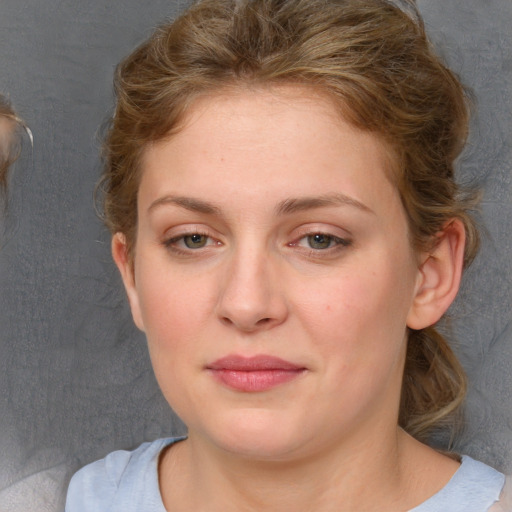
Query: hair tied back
x,y
409,8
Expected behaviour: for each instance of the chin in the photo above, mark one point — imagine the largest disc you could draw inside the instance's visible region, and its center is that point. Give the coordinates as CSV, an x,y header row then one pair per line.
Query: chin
x,y
258,434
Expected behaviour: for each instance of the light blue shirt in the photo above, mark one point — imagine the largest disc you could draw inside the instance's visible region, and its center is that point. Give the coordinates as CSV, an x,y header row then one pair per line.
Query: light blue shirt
x,y
128,482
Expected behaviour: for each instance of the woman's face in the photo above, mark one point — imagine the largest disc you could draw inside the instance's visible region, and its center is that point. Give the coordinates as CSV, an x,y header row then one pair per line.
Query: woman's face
x,y
273,274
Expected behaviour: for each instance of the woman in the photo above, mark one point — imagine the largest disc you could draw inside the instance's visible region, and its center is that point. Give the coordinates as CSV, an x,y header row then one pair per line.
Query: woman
x,y
279,185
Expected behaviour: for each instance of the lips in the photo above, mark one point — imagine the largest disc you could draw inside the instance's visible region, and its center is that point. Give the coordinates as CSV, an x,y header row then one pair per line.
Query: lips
x,y
254,374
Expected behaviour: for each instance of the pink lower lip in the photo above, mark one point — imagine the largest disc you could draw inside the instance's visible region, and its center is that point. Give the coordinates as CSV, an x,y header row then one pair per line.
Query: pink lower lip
x,y
254,374
253,381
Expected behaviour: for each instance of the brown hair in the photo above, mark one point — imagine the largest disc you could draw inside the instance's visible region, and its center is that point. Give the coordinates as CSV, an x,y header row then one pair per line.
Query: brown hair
x,y
375,61
10,139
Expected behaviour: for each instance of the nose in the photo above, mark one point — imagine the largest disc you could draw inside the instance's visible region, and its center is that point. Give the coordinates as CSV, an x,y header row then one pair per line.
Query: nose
x,y
252,297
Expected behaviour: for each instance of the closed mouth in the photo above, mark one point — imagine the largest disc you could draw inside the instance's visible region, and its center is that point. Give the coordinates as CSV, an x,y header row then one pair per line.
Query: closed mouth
x,y
254,374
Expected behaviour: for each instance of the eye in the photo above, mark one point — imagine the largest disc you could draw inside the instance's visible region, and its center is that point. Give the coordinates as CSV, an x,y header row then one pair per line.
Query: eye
x,y
186,242
321,241
195,241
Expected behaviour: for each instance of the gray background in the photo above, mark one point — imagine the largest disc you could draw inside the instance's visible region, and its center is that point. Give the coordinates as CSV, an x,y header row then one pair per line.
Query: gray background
x,y
75,378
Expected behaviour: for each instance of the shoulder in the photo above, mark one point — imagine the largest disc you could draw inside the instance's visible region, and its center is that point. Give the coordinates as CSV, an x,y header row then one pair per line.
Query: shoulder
x,y
476,472
473,488
505,502
118,481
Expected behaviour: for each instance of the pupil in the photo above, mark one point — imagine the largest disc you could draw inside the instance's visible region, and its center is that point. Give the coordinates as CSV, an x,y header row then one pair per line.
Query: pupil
x,y
194,241
319,241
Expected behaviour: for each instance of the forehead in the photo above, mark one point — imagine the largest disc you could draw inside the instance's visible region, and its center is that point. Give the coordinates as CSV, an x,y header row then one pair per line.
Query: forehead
x,y
291,138
237,99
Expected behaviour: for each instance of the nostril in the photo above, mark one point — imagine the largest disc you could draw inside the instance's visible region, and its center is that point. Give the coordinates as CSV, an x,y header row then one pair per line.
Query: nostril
x,y
263,321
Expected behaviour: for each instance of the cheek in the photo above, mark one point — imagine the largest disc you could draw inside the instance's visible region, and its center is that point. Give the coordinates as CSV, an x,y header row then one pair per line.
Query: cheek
x,y
173,307
360,337
358,314
171,322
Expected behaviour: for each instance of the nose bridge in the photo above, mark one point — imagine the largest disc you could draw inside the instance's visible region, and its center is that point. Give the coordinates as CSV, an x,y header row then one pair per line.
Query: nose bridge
x,y
250,297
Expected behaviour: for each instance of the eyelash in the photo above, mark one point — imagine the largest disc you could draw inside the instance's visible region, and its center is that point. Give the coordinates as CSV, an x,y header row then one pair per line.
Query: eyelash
x,y
171,243
335,244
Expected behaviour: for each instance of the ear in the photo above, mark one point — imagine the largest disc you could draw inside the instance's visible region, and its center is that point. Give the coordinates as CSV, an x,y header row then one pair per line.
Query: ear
x,y
125,265
439,277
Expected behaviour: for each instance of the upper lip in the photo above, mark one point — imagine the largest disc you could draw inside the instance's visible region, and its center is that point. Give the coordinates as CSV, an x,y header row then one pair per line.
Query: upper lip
x,y
254,363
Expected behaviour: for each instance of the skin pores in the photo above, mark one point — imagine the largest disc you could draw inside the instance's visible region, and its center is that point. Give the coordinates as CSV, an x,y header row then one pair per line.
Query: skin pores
x,y
273,276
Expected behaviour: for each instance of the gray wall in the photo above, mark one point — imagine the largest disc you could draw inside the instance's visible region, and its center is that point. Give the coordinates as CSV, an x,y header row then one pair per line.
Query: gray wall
x,y
75,379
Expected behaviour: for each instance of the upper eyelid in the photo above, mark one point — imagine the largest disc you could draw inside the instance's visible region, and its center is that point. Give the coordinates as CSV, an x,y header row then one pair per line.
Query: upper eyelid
x,y
313,229
342,237
340,241
179,231
173,236
173,239
191,229
176,244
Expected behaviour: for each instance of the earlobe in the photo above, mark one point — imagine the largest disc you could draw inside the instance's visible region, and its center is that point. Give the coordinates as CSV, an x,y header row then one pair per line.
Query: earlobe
x,y
439,277
125,266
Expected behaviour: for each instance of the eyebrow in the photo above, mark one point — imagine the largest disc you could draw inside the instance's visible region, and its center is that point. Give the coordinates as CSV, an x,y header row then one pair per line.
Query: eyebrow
x,y
286,207
189,203
299,204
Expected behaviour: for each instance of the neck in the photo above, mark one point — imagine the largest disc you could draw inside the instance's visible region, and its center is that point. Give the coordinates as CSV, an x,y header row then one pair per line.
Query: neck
x,y
205,478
